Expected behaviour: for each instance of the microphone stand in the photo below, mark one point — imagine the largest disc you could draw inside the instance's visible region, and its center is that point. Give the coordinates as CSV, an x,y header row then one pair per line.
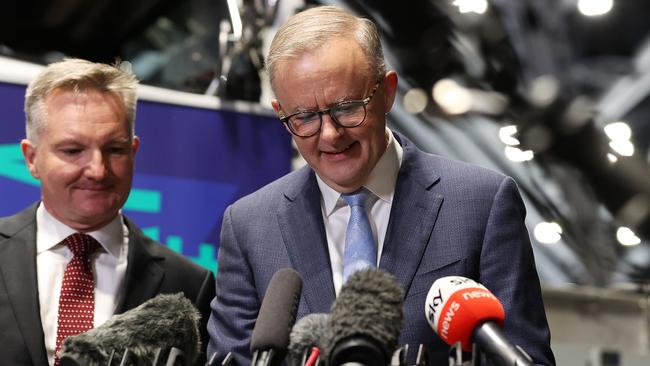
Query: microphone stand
x,y
456,356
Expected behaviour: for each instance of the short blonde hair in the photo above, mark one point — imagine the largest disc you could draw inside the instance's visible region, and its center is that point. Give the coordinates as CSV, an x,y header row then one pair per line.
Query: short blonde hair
x,y
78,75
312,28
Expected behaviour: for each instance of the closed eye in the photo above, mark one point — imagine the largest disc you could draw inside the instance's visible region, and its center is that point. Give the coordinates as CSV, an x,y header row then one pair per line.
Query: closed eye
x,y
71,151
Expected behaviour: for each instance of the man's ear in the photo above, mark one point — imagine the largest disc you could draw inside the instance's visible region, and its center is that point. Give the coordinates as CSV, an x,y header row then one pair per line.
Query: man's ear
x,y
390,90
29,153
276,105
276,108
136,143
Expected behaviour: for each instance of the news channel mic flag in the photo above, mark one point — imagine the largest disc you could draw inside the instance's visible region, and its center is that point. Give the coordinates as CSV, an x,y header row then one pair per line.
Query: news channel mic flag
x,y
430,216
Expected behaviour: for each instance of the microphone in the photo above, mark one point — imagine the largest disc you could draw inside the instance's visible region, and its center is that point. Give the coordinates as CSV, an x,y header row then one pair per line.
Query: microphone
x,y
365,320
160,324
462,310
306,334
277,314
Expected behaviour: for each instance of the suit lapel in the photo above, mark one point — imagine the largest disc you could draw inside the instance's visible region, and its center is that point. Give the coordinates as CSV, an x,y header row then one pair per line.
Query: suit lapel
x,y
18,272
303,232
413,215
143,273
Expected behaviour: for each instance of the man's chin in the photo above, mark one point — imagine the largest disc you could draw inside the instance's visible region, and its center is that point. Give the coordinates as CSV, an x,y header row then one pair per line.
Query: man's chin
x,y
344,182
92,215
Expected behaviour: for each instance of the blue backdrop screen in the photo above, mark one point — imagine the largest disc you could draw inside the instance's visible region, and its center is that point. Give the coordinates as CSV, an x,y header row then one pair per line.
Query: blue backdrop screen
x,y
191,164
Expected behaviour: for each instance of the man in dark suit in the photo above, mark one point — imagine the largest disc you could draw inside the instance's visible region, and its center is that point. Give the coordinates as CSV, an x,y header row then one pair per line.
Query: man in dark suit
x,y
81,145
430,217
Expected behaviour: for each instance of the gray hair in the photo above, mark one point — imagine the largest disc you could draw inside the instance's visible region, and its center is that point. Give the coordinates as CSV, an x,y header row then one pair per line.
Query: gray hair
x,y
314,27
78,75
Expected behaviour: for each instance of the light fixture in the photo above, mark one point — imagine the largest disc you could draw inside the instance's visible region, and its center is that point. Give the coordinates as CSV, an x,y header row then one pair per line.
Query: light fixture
x,y
452,98
618,131
548,232
415,101
592,8
620,134
517,155
506,134
626,237
471,6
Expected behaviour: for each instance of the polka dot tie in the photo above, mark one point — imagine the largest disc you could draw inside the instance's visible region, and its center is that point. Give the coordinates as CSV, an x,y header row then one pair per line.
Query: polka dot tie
x,y
77,300
360,249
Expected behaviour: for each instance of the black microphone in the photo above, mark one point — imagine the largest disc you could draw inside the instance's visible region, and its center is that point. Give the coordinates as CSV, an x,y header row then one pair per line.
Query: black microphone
x,y
365,320
306,334
277,315
160,324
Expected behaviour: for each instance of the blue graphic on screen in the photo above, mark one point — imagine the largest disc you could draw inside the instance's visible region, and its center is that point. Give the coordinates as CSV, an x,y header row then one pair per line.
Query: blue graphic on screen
x,y
191,164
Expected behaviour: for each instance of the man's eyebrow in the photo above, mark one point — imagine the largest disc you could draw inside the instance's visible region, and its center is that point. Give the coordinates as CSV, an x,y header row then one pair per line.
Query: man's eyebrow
x,y
342,99
121,140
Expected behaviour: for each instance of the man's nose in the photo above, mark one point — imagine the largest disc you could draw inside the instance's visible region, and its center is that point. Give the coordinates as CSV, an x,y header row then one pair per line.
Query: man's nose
x,y
329,129
96,168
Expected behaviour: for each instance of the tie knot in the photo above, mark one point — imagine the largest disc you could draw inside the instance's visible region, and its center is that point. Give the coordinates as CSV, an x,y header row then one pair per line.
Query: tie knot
x,y
358,197
81,245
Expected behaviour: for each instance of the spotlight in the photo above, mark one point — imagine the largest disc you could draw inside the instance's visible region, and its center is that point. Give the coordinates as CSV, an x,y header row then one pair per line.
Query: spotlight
x,y
626,237
548,232
471,6
593,8
517,155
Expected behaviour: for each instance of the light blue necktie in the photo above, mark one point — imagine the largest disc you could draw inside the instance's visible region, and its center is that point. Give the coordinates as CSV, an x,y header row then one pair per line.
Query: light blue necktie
x,y
360,250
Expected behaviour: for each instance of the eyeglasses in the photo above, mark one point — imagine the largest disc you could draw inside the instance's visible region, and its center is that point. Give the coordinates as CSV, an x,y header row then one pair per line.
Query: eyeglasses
x,y
347,114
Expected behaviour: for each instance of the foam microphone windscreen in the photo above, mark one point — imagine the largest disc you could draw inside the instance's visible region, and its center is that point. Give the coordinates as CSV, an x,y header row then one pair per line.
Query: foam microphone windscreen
x,y
307,333
162,322
456,305
277,313
367,313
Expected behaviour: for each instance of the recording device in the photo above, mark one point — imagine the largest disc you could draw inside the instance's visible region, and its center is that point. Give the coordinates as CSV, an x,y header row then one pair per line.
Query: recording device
x,y
146,334
305,335
462,310
277,315
365,320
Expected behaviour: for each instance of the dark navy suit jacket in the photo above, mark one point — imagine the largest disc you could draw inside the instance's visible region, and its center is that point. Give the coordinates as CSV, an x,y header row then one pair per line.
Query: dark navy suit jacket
x,y
152,269
447,218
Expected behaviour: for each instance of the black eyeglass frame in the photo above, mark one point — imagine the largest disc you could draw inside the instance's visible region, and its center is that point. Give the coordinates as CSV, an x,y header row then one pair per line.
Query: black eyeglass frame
x,y
364,102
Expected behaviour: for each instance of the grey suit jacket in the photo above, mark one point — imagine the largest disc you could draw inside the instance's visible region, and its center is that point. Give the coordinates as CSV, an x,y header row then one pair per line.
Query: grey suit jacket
x,y
152,269
447,218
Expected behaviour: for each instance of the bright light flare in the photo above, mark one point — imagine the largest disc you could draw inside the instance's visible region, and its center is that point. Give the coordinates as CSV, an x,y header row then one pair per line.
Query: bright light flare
x,y
612,158
620,134
471,6
548,232
415,100
618,131
592,8
452,98
506,135
626,237
517,155
622,147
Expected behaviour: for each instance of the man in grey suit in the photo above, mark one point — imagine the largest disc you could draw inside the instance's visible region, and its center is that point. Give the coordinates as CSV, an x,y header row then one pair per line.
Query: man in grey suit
x,y
430,216
81,145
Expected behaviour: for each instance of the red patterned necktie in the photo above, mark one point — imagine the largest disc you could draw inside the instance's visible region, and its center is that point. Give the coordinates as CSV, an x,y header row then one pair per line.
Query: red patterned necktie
x,y
77,300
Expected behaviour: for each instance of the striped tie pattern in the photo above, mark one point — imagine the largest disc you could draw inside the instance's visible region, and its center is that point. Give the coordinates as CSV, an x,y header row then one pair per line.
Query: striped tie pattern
x,y
77,300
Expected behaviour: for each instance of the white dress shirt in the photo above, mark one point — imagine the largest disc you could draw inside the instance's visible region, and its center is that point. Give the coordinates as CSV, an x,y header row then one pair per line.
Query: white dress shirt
x,y
52,256
336,212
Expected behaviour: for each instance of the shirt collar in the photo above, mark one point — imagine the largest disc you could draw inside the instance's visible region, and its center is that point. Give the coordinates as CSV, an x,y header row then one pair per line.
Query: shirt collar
x,y
52,232
381,181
